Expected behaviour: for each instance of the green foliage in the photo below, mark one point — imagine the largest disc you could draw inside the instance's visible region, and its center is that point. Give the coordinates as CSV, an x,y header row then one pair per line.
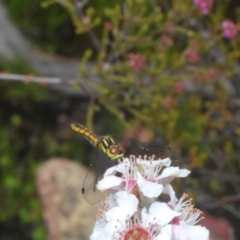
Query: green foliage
x,y
165,65
43,25
40,233
18,65
28,137
161,64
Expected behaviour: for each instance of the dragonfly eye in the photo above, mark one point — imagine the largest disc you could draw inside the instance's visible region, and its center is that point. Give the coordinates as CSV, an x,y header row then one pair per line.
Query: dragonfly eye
x,y
122,149
114,150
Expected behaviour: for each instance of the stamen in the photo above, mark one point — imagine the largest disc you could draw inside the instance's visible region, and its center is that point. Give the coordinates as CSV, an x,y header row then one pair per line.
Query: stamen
x,y
189,214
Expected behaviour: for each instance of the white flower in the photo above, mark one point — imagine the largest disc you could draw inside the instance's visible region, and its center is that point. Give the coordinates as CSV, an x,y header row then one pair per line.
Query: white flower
x,y
183,225
124,220
160,213
128,178
146,174
185,231
116,217
99,233
138,216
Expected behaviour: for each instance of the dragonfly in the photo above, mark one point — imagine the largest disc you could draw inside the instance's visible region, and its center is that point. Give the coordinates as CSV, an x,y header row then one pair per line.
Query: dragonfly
x,y
108,151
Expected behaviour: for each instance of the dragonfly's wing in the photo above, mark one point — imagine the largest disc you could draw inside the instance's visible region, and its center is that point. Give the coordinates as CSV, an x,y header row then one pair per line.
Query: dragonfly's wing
x,y
135,147
99,164
89,191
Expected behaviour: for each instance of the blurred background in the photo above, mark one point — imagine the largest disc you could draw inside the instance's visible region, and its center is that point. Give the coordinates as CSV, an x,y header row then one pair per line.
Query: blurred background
x,y
157,70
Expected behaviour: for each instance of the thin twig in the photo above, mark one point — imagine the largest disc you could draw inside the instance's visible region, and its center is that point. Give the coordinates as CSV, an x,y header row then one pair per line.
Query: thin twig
x,y
210,203
79,5
226,199
30,78
219,175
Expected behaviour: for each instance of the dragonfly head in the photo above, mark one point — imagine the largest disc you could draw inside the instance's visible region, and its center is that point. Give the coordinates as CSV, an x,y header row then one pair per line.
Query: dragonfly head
x,y
116,152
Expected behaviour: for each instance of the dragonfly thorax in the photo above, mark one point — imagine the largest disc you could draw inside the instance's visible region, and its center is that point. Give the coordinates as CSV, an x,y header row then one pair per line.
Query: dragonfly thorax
x,y
113,150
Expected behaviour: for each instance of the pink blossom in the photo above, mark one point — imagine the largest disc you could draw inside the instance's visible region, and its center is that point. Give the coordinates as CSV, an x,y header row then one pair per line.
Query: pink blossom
x,y
86,21
193,42
166,40
193,56
107,25
212,74
168,101
205,5
137,61
161,47
180,86
170,29
198,78
230,29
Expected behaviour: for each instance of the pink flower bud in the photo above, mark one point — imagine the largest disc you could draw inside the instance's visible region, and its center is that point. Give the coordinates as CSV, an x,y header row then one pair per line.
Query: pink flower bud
x,y
230,29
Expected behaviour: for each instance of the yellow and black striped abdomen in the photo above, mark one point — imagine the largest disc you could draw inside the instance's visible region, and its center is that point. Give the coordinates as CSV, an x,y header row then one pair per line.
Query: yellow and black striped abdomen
x,y
86,133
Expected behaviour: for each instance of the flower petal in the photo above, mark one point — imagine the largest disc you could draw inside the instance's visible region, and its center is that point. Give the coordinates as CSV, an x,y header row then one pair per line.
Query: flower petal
x,y
165,233
168,189
128,202
185,231
110,171
108,182
148,188
121,167
161,213
99,233
174,171
116,217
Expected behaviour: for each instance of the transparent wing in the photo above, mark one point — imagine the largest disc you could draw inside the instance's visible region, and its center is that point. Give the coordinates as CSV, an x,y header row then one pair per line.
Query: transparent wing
x,y
89,191
99,164
135,147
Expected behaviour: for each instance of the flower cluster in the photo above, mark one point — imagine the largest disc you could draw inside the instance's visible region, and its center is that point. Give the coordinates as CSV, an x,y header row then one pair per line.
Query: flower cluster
x,y
193,56
136,61
180,86
135,212
205,5
192,52
166,41
230,29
